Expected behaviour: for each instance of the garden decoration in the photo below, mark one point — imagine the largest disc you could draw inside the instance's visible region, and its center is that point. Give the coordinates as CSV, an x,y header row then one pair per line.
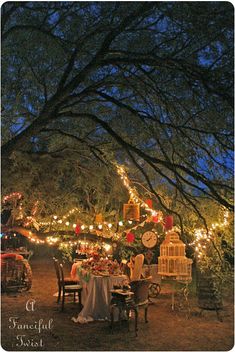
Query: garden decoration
x,y
174,265
173,261
16,273
131,211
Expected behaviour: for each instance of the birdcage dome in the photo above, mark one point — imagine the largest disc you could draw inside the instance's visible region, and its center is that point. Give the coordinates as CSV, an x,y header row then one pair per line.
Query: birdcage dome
x,y
173,261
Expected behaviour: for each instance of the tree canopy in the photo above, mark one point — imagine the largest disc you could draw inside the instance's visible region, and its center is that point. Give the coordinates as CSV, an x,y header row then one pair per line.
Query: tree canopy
x,y
146,84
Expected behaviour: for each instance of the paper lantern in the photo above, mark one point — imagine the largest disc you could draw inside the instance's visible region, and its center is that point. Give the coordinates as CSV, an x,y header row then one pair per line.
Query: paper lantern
x,y
149,202
130,237
168,222
77,229
131,211
98,218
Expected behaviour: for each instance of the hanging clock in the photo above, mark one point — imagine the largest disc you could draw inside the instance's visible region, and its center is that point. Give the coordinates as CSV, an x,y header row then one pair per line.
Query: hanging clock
x,y
149,239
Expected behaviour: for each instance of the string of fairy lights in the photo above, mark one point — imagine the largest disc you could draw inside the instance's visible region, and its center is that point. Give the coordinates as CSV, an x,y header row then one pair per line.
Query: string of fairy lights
x,y
108,229
134,194
203,237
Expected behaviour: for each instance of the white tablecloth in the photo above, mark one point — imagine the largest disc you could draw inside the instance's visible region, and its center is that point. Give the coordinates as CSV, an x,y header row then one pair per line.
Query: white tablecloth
x,y
96,295
96,298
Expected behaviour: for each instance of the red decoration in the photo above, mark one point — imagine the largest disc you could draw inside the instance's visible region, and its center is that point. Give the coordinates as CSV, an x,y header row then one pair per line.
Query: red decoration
x,y
77,229
168,222
155,218
149,202
130,237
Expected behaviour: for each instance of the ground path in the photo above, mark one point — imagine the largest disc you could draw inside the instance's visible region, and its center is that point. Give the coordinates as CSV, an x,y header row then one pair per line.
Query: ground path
x,y
166,330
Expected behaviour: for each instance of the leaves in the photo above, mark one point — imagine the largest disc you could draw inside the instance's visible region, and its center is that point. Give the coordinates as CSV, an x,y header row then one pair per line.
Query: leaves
x,y
147,84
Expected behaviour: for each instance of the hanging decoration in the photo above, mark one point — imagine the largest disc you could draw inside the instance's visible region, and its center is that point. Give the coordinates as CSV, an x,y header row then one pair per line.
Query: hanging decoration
x,y
155,219
134,194
77,229
173,261
130,237
168,222
131,211
149,202
98,218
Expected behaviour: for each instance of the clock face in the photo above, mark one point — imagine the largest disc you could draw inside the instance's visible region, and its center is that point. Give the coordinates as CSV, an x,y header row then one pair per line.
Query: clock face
x,y
149,239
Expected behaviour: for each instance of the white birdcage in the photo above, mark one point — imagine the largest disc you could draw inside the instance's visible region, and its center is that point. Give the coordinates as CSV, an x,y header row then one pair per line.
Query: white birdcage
x,y
173,261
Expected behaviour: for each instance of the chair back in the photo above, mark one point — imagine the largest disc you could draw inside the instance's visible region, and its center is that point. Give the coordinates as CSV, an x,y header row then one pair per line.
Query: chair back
x,y
137,269
57,269
140,289
61,270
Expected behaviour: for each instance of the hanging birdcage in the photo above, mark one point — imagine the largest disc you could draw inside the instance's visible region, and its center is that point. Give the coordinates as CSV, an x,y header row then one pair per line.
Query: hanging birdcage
x,y
173,261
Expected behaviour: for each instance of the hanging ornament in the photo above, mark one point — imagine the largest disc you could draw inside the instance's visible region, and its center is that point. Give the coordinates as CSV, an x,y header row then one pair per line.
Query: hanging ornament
x,y
98,218
149,202
77,229
130,237
131,211
155,218
168,222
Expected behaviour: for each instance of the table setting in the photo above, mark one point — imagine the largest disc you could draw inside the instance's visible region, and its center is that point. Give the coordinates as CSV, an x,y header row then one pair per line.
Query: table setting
x,y
99,277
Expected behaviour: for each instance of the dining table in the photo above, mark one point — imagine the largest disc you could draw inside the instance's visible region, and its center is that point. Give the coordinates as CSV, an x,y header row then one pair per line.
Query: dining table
x,y
96,294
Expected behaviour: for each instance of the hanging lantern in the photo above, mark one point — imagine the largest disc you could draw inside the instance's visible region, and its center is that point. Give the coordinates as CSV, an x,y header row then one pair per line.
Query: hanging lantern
x,y
155,218
168,222
149,203
131,211
98,218
130,237
77,229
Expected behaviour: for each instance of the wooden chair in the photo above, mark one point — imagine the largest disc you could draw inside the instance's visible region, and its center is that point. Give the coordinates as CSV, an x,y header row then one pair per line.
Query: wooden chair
x,y
140,288
69,288
67,280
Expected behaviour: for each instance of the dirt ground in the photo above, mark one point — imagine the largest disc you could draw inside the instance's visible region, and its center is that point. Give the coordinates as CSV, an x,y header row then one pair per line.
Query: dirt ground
x,y
167,330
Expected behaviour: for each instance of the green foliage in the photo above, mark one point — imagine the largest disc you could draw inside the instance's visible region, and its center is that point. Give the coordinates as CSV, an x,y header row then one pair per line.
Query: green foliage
x,y
66,252
218,259
80,91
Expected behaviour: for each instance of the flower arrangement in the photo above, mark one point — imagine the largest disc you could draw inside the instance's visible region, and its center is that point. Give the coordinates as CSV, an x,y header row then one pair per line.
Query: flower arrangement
x,y
97,265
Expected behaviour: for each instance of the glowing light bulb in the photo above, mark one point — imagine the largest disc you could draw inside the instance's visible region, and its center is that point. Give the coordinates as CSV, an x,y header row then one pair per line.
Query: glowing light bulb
x,y
110,225
100,227
107,247
55,217
91,227
67,223
120,223
74,225
83,227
